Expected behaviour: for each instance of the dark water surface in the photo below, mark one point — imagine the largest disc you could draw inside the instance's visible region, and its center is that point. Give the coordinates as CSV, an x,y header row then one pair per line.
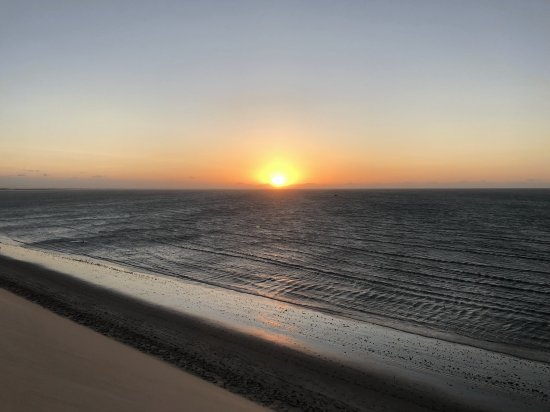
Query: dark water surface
x,y
470,262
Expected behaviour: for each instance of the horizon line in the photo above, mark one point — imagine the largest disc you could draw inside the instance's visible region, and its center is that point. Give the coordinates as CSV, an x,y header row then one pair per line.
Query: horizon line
x,y
279,189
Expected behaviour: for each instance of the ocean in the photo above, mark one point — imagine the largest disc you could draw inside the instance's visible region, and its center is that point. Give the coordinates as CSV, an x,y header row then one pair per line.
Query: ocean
x,y
465,263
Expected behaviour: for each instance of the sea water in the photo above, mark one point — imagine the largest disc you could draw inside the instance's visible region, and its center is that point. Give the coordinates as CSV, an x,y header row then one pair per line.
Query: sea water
x,y
470,263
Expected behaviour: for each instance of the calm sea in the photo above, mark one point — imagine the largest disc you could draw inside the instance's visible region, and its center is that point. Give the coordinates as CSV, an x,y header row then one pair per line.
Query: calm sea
x,y
474,263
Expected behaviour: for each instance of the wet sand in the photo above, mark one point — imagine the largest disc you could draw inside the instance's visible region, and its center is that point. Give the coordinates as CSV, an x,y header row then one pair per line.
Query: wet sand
x,y
49,363
265,371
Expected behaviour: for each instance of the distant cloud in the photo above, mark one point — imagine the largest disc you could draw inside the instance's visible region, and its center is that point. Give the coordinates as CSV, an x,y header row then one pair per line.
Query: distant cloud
x,y
32,170
98,177
21,175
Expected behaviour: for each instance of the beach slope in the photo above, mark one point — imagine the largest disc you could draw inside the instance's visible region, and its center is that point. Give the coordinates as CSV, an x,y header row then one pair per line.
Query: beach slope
x,y
50,363
371,368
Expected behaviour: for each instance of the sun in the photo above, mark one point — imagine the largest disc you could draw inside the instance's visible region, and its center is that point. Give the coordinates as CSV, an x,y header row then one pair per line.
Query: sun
x,y
277,173
278,180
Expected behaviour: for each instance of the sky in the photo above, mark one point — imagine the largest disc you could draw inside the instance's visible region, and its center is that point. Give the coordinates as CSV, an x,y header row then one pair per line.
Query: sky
x,y
229,94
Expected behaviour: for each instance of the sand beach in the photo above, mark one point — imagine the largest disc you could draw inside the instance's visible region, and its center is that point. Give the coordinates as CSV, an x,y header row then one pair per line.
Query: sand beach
x,y
279,357
50,363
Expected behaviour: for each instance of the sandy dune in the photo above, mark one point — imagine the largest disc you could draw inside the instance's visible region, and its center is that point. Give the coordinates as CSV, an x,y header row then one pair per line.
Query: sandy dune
x,y
49,363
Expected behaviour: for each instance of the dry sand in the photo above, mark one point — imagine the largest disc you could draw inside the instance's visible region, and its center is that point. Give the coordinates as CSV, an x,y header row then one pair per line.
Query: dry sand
x,y
49,363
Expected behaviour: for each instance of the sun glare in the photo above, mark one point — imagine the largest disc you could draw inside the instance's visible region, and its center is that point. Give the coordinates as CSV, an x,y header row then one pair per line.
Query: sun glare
x,y
278,180
278,173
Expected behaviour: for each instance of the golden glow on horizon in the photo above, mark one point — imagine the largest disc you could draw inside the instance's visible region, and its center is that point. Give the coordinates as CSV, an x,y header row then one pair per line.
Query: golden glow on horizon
x,y
278,180
279,173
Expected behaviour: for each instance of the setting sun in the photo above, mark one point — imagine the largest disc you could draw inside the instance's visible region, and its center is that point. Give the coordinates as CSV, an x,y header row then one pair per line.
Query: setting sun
x,y
278,172
278,180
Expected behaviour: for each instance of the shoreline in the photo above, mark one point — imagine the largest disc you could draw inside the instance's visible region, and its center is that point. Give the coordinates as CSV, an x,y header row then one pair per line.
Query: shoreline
x,y
64,262
224,357
264,370
51,363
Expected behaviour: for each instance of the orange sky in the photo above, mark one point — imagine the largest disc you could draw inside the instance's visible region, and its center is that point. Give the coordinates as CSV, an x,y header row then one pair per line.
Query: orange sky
x,y
367,95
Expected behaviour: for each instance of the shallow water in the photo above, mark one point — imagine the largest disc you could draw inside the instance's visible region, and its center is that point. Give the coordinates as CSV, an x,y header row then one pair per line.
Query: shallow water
x,y
473,263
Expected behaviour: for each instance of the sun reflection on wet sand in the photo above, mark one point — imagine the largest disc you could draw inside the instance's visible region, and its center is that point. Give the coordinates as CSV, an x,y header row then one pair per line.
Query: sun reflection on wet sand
x,y
275,337
269,322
